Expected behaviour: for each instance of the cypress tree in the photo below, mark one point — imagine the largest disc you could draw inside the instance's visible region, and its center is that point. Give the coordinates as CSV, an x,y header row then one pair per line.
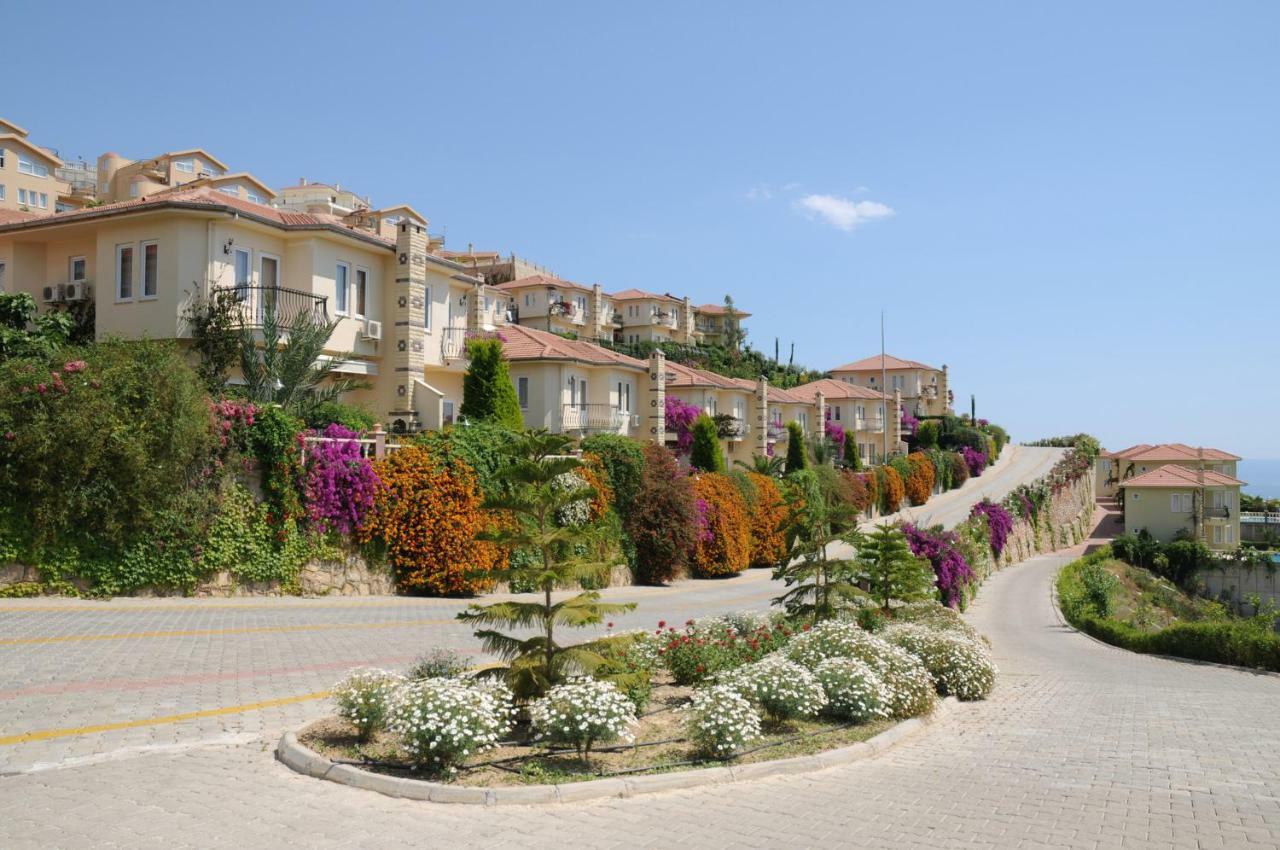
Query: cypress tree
x,y
852,459
796,457
705,452
488,393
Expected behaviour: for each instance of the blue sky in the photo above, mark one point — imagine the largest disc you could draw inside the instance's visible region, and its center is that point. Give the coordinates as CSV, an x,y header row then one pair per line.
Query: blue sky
x,y
1075,205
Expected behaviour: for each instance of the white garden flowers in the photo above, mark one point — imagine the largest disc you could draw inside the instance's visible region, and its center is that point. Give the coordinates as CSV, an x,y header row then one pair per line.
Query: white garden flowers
x,y
442,721
721,721
911,689
961,666
782,688
362,698
854,691
582,713
829,639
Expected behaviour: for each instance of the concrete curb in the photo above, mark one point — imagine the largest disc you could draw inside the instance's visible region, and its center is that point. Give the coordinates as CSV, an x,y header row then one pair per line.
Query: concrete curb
x,y
306,761
1062,619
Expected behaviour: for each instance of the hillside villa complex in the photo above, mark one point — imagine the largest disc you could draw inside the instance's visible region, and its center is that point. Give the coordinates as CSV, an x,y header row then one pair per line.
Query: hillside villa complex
x,y
140,239
1173,490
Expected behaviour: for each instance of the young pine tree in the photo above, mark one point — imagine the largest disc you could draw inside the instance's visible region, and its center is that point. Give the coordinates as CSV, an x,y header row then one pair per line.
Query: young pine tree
x,y
890,570
818,580
704,454
797,458
535,495
488,394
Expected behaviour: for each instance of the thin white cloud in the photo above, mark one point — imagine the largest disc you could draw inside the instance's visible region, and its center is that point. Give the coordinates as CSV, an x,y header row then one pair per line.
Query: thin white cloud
x,y
842,213
760,192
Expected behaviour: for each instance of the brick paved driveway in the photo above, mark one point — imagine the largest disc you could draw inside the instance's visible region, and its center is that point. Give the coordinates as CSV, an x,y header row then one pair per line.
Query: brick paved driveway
x,y
1081,745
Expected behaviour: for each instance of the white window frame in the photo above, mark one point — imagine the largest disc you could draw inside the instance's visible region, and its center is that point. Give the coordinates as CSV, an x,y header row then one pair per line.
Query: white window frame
x,y
44,200
242,286
1217,534
263,255
360,293
254,197
28,166
133,270
233,191
142,271
522,391
1230,534
186,166
342,289
1,157
71,269
22,197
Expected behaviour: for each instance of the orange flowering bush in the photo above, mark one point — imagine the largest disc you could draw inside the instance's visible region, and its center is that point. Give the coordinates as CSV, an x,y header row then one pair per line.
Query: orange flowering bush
x,y
919,484
597,478
428,514
890,488
862,489
769,516
724,533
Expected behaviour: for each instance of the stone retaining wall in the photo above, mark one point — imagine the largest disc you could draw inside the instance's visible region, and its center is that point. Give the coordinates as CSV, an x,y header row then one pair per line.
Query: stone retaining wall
x,y
1234,583
1066,523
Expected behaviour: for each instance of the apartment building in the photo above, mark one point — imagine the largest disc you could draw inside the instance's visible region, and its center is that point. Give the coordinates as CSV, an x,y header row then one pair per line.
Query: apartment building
x,y
715,325
1112,469
1174,500
494,267
122,179
29,180
649,317
559,306
869,417
312,197
925,390
571,386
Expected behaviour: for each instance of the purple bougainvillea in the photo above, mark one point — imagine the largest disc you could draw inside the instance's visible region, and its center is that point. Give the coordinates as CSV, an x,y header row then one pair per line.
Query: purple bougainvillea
x,y
974,459
951,571
835,434
999,523
339,484
680,419
909,422
705,535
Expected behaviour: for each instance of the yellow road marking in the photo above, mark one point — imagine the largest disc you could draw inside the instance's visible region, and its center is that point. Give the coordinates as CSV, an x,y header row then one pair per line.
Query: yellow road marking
x,y
236,631
47,734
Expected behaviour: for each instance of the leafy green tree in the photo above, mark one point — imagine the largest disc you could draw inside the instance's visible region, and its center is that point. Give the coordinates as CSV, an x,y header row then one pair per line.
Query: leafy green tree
x,y
797,457
24,334
289,371
215,325
705,452
852,458
763,464
734,336
488,393
534,495
623,460
818,580
890,570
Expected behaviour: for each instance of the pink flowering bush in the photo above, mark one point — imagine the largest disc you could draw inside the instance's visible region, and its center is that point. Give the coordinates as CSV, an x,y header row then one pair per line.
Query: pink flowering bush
x,y
909,422
941,549
999,523
232,421
975,460
680,418
338,483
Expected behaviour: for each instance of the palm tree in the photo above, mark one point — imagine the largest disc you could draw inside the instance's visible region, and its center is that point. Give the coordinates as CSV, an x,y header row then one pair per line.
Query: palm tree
x,y
289,371
763,464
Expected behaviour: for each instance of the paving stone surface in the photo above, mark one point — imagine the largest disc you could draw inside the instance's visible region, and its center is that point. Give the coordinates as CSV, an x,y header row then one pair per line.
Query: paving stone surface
x,y
1081,745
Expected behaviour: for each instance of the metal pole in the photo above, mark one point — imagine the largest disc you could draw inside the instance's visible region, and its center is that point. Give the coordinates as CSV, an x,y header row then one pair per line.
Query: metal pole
x,y
883,387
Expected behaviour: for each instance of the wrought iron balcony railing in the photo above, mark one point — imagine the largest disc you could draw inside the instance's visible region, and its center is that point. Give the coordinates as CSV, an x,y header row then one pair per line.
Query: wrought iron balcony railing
x,y
288,305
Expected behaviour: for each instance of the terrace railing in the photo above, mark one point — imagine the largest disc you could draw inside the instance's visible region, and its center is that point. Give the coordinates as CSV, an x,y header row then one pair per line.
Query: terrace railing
x,y
593,417
289,305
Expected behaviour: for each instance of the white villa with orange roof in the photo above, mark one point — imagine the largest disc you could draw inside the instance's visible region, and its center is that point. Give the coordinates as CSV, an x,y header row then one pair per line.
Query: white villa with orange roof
x,y
869,417
924,389
1113,469
650,317
559,306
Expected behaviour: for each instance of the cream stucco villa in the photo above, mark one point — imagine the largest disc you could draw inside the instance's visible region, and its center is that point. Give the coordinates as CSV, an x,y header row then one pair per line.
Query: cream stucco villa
x,y
925,390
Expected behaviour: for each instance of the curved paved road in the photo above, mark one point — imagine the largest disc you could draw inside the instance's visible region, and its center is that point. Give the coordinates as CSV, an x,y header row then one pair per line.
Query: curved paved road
x,y
1081,745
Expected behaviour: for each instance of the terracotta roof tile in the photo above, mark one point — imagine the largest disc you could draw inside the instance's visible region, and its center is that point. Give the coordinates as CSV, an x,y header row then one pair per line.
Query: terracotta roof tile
x,y
687,376
719,310
1166,452
12,216
872,364
833,389
522,343
635,294
541,280
1179,476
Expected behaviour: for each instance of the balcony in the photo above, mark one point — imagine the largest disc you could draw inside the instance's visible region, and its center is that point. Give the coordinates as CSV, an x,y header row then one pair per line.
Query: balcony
x,y
1217,513
453,342
289,306
593,417
875,426
572,312
777,431
618,320
731,427
664,319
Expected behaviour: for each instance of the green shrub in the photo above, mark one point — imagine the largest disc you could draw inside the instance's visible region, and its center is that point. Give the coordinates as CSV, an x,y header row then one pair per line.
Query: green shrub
x,y
623,461
488,393
354,416
705,451
482,446
797,457
927,434
1099,586
663,526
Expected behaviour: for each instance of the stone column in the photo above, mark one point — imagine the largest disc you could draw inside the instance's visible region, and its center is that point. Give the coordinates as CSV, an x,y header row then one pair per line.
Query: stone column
x,y
656,385
762,416
820,427
599,321
943,388
895,421
409,359
475,308
690,326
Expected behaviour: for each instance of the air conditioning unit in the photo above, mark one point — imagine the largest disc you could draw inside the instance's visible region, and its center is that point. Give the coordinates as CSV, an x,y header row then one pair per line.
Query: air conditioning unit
x,y
372,330
76,291
54,293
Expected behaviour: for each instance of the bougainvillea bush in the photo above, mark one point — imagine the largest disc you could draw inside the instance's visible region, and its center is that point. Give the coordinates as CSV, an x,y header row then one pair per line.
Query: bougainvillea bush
x,y
974,460
429,514
890,487
999,523
941,548
663,521
338,482
769,517
724,539
680,418
919,483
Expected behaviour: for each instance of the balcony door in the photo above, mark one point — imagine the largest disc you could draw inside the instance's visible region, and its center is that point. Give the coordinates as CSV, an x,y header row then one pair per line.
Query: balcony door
x,y
269,281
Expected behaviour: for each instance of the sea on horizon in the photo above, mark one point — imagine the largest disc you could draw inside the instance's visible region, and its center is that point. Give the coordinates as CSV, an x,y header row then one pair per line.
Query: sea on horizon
x,y
1262,477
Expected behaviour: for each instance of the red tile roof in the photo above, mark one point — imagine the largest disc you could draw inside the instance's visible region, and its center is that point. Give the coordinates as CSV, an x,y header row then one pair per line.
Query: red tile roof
x,y
833,389
12,216
872,364
686,376
719,310
1179,476
1166,452
522,343
634,294
213,200
540,280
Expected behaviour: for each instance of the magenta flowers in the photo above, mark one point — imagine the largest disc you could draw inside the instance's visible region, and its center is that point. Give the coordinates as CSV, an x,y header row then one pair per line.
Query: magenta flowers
x,y
999,523
974,459
340,484
952,572
680,419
